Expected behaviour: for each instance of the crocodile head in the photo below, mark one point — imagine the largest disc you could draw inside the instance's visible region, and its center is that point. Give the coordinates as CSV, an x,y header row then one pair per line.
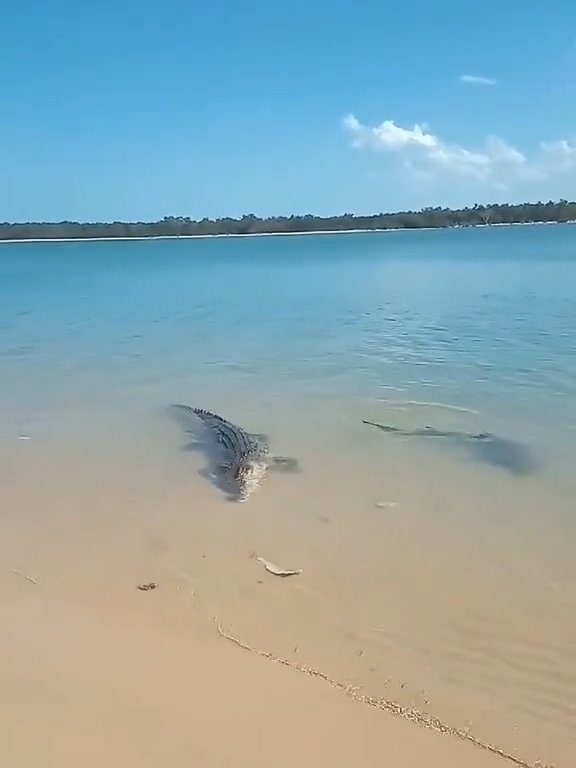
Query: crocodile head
x,y
248,475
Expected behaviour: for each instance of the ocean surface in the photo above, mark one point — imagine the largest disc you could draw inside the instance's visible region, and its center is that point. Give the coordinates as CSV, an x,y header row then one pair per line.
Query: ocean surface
x,y
438,572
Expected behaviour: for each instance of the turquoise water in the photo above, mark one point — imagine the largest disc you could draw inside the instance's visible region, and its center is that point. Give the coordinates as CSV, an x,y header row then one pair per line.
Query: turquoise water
x,y
455,577
482,319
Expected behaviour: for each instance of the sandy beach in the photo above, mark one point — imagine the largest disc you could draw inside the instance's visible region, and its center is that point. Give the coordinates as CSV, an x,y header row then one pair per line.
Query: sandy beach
x,y
117,687
103,673
434,581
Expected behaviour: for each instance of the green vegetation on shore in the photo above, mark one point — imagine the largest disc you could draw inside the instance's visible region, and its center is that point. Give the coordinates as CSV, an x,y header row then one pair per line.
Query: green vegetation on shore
x,y
525,213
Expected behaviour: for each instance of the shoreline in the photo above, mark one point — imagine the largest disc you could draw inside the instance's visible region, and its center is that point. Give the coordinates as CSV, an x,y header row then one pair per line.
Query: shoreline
x,y
217,625
280,234
162,680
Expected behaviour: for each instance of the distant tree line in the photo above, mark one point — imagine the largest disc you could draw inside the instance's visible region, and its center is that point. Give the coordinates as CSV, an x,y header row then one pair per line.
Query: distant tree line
x,y
175,226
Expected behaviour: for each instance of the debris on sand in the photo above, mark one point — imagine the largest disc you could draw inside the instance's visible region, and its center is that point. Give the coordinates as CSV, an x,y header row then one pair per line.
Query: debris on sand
x,y
147,587
277,570
24,576
386,504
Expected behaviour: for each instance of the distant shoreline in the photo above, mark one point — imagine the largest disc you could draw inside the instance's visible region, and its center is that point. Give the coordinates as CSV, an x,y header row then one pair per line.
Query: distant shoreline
x,y
249,225
224,235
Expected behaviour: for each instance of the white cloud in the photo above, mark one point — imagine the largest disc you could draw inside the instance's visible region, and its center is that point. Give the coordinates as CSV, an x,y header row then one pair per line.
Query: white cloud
x,y
477,80
423,148
388,135
494,162
559,155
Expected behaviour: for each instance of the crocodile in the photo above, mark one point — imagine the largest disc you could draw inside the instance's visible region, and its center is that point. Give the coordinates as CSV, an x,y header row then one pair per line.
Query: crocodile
x,y
246,455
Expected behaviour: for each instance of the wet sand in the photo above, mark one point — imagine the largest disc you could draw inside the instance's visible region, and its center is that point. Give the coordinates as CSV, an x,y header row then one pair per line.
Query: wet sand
x,y
93,688
426,603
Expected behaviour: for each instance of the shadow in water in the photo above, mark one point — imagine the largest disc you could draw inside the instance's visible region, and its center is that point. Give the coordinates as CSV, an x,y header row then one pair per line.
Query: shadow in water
x,y
514,457
509,455
202,440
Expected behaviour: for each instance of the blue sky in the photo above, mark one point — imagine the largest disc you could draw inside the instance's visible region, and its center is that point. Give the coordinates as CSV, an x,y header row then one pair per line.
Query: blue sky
x,y
136,110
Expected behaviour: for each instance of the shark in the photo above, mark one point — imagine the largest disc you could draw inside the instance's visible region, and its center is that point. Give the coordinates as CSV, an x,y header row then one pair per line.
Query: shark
x,y
501,452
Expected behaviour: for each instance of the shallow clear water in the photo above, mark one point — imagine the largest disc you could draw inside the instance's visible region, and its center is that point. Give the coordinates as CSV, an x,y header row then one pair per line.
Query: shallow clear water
x,y
302,338
480,318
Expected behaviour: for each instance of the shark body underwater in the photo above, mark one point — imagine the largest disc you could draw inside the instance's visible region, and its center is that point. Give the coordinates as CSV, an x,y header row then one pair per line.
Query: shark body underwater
x,y
501,452
244,456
